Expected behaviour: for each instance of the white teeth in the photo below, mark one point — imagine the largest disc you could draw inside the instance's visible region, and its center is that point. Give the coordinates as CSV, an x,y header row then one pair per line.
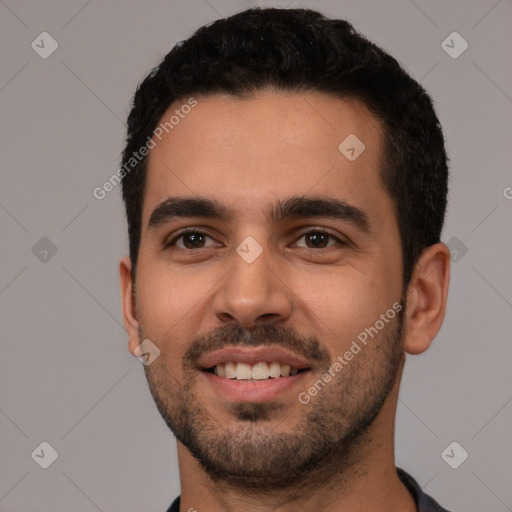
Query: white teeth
x,y
275,369
220,370
259,371
243,371
230,370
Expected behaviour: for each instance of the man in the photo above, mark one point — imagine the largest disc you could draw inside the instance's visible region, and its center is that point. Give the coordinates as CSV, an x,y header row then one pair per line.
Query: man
x,y
285,185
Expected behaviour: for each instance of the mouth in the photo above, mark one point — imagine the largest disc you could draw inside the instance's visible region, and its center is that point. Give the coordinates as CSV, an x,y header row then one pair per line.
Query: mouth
x,y
262,370
253,374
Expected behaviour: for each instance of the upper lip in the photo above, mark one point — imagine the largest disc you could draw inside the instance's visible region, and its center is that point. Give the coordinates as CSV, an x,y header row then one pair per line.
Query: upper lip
x,y
252,356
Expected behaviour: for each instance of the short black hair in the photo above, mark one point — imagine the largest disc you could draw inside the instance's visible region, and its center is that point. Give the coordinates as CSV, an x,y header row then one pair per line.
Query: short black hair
x,y
300,50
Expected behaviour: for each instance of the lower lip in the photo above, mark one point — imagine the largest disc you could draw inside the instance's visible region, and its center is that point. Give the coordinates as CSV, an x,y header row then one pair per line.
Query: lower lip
x,y
253,391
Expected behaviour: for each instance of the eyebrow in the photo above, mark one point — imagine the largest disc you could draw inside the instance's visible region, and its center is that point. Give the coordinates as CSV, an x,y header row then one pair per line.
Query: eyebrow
x,y
183,207
292,208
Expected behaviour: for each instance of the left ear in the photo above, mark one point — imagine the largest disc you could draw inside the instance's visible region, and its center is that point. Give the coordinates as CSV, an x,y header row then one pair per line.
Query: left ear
x,y
426,298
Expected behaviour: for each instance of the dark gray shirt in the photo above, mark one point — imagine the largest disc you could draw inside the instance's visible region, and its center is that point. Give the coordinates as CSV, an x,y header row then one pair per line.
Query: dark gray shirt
x,y
424,503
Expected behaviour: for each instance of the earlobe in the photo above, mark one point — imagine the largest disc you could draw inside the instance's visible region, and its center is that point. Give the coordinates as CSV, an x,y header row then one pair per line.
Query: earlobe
x,y
426,298
130,321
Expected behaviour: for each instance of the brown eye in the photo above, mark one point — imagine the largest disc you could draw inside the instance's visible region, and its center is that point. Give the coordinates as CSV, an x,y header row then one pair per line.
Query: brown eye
x,y
318,240
191,240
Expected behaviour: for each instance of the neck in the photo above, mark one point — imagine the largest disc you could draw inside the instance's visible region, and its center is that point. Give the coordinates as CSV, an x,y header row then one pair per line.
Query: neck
x,y
367,482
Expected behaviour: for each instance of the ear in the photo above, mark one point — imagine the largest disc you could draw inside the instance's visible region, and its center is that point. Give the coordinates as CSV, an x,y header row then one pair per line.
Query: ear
x,y
426,298
130,321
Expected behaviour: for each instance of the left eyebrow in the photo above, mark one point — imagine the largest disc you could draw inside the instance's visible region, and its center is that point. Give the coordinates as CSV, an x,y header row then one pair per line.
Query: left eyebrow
x,y
298,207
325,207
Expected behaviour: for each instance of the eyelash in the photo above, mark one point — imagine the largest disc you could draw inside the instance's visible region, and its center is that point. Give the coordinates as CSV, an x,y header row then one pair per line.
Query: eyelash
x,y
186,232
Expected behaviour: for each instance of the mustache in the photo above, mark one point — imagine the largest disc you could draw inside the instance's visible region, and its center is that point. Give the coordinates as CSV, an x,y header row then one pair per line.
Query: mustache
x,y
261,335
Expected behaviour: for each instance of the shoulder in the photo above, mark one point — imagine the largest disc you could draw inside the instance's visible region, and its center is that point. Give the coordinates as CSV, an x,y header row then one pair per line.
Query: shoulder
x,y
424,502
175,506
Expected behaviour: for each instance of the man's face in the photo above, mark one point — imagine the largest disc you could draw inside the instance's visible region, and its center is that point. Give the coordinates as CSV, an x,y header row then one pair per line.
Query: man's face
x,y
281,270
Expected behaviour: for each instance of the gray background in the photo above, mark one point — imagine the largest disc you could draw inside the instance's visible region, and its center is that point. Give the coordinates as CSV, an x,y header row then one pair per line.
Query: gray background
x,y
66,376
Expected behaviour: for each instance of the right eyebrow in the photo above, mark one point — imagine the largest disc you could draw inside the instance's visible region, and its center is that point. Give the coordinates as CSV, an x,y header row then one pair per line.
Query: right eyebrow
x,y
176,207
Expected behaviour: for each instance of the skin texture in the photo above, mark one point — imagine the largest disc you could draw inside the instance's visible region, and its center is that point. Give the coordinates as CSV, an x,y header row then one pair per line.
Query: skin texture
x,y
336,452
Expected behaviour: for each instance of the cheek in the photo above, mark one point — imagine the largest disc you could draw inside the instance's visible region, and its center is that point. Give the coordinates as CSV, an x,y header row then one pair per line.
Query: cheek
x,y
166,298
344,303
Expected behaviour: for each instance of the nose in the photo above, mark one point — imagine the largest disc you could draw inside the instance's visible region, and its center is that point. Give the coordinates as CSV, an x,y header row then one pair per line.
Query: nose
x,y
253,293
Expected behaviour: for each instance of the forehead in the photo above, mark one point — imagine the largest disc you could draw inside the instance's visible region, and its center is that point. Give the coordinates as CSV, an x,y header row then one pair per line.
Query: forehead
x,y
250,152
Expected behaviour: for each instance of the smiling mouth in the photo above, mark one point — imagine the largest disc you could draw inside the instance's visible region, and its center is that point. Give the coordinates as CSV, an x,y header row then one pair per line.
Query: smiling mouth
x,y
263,370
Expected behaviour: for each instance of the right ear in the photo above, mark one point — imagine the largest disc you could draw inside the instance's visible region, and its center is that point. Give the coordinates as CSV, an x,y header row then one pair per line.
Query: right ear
x,y
130,321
